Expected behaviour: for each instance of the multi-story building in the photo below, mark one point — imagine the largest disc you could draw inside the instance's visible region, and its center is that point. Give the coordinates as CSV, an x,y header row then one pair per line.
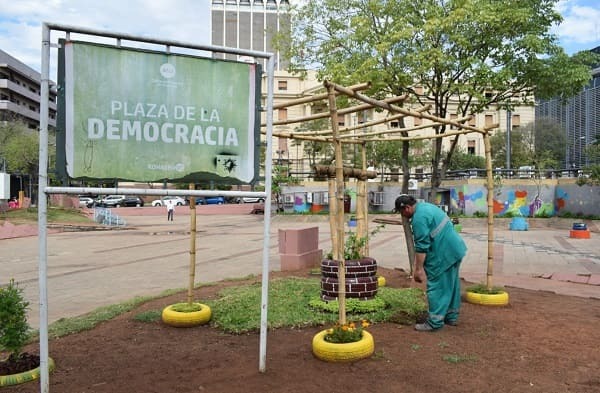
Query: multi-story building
x,y
579,118
20,93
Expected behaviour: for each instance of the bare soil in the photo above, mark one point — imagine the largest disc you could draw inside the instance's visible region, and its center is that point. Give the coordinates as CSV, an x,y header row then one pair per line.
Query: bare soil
x,y
541,342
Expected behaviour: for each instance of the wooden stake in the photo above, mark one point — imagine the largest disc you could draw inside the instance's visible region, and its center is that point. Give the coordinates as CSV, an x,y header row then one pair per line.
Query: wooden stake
x,y
338,252
192,275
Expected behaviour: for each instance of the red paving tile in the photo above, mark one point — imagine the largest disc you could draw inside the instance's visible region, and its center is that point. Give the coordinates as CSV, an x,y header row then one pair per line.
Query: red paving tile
x,y
594,279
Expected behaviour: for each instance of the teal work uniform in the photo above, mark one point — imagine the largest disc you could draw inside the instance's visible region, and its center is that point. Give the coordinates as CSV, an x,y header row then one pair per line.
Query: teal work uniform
x,y
435,236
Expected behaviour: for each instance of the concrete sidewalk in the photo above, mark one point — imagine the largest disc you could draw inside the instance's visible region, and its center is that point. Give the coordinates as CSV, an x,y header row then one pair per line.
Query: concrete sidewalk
x,y
91,269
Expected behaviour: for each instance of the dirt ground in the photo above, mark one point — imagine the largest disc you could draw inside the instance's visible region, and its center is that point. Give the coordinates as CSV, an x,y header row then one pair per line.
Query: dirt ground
x,y
541,342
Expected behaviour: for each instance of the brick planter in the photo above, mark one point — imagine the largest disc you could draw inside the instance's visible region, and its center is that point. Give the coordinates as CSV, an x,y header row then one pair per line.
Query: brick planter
x,y
361,279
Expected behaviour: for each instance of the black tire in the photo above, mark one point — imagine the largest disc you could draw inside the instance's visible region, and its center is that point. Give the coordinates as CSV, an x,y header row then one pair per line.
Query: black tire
x,y
179,204
117,205
138,205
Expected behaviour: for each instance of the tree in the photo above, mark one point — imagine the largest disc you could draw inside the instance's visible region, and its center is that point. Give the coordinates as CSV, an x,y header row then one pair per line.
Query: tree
x,y
540,144
520,151
462,160
479,53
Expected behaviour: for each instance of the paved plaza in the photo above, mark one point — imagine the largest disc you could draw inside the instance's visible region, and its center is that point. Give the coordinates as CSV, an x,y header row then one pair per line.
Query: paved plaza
x,y
89,269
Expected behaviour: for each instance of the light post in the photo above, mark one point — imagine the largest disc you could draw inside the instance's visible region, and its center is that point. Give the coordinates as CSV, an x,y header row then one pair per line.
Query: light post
x,y
508,147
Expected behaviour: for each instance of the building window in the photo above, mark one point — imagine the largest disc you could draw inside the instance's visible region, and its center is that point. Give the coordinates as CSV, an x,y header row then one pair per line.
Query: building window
x,y
473,121
516,121
471,147
282,85
489,120
341,120
453,117
282,114
394,124
418,121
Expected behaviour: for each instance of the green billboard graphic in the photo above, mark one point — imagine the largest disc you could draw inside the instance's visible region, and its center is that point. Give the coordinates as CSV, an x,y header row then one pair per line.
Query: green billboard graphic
x,y
150,116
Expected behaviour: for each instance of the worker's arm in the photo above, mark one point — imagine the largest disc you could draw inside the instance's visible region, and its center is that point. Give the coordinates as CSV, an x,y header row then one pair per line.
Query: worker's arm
x,y
419,273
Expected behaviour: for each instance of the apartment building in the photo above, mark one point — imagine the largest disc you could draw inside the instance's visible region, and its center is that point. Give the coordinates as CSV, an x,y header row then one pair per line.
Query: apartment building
x,y
20,93
579,118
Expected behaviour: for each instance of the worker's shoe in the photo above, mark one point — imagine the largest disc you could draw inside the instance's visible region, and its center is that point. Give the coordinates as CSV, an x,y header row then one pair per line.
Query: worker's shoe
x,y
424,327
451,322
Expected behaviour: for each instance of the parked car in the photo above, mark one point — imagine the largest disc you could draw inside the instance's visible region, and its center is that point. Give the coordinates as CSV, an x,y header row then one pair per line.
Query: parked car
x,y
86,201
250,200
120,200
179,201
211,200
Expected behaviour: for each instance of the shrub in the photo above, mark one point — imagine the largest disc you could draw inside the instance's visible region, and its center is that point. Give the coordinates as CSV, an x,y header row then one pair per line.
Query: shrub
x,y
14,329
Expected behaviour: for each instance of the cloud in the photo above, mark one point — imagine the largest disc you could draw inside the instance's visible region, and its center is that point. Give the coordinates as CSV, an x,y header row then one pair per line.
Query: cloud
x,y
581,23
21,34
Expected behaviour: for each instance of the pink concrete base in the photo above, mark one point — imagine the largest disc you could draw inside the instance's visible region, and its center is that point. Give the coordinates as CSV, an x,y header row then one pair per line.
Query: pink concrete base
x,y
301,261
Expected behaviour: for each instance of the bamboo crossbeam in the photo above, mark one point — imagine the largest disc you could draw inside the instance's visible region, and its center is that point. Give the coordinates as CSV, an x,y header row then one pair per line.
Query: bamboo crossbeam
x,y
323,115
394,108
330,171
318,97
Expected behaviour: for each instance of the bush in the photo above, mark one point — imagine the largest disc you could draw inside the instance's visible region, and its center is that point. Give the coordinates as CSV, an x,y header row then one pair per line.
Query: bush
x,y
14,329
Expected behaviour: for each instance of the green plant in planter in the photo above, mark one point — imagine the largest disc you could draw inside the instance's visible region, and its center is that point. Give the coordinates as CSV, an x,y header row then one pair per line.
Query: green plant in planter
x,y
346,333
354,244
484,290
14,329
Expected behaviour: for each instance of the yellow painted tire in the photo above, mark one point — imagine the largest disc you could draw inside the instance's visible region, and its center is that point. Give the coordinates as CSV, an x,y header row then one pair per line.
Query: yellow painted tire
x,y
381,281
347,352
25,376
499,299
186,319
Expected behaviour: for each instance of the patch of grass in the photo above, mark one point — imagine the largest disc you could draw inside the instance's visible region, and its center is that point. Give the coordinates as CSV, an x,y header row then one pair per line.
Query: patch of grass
x,y
456,358
482,289
148,316
415,347
186,307
238,308
353,306
443,344
55,214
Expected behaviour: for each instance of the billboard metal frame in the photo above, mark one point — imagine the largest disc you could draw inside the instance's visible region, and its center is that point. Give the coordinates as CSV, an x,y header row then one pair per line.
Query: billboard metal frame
x,y
44,189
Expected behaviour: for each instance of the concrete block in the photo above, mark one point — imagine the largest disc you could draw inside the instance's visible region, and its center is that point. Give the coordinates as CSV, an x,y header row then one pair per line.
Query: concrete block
x,y
301,261
298,241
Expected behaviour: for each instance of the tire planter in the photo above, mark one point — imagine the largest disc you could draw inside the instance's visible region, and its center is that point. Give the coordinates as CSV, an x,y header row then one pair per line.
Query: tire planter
x,y
498,299
186,319
361,279
346,352
25,376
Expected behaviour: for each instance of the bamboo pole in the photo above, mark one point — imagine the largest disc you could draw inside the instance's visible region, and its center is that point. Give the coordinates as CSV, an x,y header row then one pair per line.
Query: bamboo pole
x,y
362,229
192,274
490,202
338,253
332,210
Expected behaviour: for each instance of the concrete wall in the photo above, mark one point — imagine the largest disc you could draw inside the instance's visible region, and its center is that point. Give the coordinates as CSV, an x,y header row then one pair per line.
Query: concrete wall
x,y
522,197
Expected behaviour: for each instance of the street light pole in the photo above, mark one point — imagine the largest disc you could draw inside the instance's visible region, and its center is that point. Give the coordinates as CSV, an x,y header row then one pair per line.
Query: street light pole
x,y
508,147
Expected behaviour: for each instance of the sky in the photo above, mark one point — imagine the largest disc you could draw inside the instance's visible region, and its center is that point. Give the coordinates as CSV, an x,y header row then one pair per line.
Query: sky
x,y
189,21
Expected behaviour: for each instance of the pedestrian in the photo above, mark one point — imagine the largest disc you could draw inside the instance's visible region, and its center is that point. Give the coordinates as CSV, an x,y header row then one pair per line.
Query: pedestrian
x,y
439,250
170,204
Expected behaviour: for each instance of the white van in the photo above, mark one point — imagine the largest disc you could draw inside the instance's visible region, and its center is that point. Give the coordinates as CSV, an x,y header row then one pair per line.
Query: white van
x,y
526,172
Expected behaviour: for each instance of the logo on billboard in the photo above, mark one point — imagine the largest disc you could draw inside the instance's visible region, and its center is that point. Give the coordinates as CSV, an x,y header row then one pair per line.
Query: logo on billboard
x,y
167,70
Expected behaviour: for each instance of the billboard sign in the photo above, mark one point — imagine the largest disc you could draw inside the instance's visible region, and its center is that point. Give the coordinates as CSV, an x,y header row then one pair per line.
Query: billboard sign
x,y
150,116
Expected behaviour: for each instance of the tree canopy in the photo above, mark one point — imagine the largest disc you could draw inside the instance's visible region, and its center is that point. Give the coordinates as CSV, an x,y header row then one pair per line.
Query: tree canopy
x,y
468,54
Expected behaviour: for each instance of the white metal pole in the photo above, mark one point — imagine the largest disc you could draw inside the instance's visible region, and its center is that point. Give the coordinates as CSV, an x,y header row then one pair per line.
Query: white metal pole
x,y
267,226
42,209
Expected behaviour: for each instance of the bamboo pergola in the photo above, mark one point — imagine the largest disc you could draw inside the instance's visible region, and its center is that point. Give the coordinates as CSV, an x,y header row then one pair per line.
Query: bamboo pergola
x,y
345,135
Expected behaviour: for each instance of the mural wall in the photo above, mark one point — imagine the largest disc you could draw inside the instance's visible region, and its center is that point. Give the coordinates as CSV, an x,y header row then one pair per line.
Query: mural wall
x,y
517,198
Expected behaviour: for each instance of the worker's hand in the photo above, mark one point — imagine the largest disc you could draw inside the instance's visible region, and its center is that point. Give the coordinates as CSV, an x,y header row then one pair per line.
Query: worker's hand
x,y
419,275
